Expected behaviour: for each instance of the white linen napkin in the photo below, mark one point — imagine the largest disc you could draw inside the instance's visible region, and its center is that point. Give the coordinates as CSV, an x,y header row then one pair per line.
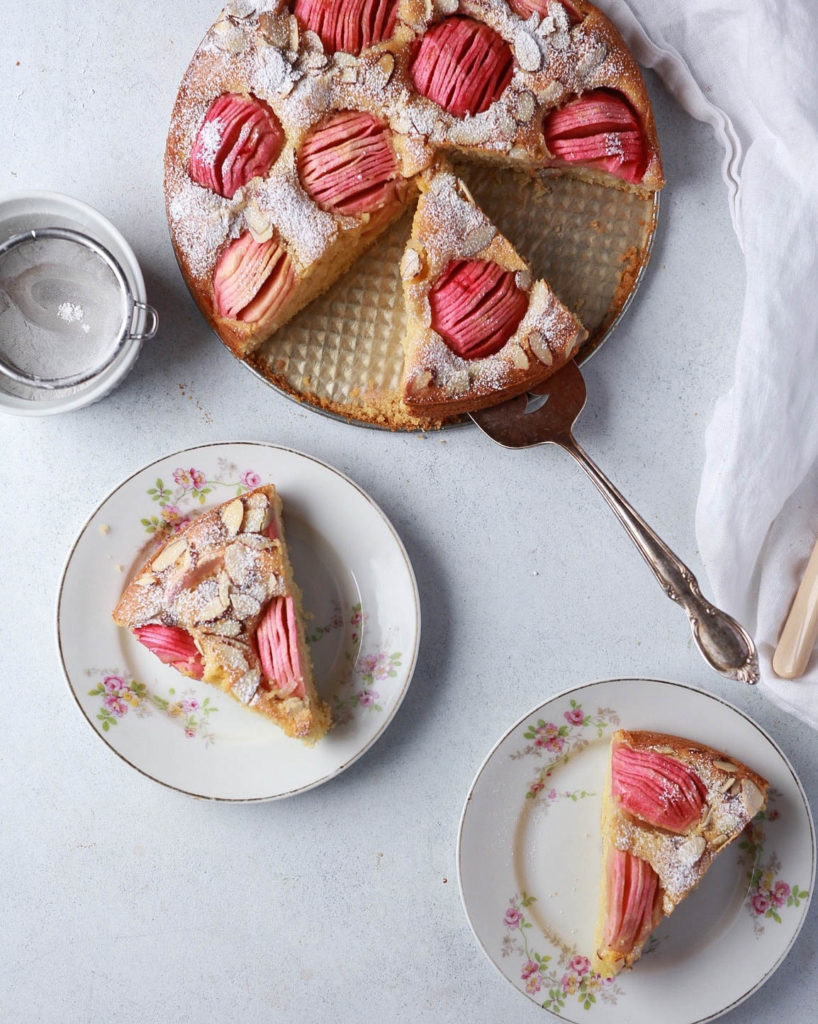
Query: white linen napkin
x,y
748,67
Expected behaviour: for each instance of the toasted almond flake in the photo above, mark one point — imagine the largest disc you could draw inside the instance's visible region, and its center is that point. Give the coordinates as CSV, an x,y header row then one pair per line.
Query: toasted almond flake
x,y
229,37
519,358
259,223
724,785
539,346
387,65
224,587
255,520
527,51
447,6
212,610
275,30
232,516
168,555
523,280
225,627
244,606
726,766
524,107
419,383
345,60
294,34
708,814
735,789
410,265
145,580
690,850
477,239
752,796
463,189
349,75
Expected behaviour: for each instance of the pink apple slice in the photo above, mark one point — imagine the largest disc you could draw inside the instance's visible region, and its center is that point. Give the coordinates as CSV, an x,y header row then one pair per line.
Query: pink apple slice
x,y
348,164
462,65
476,307
252,279
525,8
238,139
634,901
656,788
349,25
277,639
598,130
173,646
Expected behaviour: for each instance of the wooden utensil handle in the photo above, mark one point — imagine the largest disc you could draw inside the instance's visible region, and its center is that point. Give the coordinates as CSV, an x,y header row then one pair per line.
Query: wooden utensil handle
x,y
800,630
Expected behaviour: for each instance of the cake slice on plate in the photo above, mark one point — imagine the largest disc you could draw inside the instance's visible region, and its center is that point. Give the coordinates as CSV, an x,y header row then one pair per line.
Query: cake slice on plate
x,y
217,601
670,806
479,329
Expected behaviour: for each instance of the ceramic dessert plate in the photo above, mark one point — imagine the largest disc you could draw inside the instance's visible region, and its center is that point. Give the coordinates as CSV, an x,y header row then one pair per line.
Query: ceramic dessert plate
x,y
363,626
529,853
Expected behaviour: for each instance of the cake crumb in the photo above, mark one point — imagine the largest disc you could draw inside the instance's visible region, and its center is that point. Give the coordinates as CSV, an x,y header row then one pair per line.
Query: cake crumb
x,y
104,529
118,567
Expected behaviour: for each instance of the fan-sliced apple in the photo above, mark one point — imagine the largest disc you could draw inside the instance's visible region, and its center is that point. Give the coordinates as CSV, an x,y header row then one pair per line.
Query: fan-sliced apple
x,y
476,307
238,139
349,25
252,279
173,646
462,65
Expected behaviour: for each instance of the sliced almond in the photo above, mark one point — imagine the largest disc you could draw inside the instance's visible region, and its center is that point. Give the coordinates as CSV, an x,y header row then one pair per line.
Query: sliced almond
x,y
256,520
293,34
527,51
447,6
244,606
225,627
232,516
145,580
410,265
387,65
212,610
245,687
259,224
708,814
752,797
523,280
345,60
224,588
168,555
524,107
735,789
420,383
274,29
691,849
539,346
724,785
726,766
519,358
349,75
463,189
477,239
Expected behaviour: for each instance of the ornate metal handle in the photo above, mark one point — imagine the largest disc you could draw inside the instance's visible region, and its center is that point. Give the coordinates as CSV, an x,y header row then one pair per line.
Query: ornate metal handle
x,y
725,644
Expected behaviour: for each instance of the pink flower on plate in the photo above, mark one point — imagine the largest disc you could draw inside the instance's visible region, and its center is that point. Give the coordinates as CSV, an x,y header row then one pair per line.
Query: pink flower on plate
x,y
190,732
114,684
760,903
189,704
512,918
773,814
182,478
575,716
250,479
580,965
780,893
552,794
555,744
533,984
570,983
366,698
357,618
172,514
198,478
115,705
535,787
529,969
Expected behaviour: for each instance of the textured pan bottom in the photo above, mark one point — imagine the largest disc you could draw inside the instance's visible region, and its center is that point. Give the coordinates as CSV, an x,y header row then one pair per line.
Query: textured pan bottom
x,y
343,354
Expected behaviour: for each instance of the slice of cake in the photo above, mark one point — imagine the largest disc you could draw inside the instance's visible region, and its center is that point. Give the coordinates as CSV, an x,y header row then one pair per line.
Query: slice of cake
x,y
670,806
217,601
479,329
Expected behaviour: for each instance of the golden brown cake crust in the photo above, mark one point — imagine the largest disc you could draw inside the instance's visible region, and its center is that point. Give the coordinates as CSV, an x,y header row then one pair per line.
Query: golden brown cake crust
x,y
214,579
257,49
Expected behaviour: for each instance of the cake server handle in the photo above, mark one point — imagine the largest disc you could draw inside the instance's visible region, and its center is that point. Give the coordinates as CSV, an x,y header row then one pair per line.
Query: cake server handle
x,y
723,642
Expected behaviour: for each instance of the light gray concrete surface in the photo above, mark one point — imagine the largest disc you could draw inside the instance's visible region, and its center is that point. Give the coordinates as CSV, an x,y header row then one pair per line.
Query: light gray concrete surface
x,y
124,901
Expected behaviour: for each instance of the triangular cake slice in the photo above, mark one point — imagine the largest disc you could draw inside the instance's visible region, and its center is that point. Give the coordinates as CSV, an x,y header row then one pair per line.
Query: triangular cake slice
x,y
670,806
479,329
218,602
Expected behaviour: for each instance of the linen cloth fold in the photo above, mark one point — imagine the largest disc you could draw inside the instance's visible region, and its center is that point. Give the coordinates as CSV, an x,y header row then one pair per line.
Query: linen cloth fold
x,y
748,68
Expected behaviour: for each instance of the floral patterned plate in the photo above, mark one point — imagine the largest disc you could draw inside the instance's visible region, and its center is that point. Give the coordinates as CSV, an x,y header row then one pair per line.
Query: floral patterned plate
x,y
529,850
363,627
